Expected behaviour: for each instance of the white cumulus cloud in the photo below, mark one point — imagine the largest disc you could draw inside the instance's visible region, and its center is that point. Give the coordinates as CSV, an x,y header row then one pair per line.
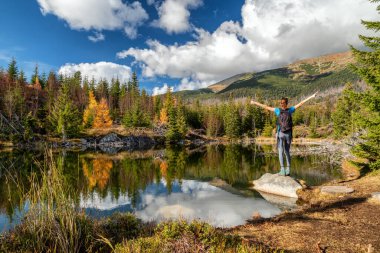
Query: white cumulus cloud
x,y
99,70
271,33
174,15
98,36
161,90
96,14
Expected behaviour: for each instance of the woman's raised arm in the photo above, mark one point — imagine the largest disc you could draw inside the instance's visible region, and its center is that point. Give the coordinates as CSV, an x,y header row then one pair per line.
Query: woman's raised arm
x,y
262,105
304,101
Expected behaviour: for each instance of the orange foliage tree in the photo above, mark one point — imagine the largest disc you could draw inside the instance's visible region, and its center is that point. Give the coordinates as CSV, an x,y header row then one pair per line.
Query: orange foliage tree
x,y
98,174
102,115
90,111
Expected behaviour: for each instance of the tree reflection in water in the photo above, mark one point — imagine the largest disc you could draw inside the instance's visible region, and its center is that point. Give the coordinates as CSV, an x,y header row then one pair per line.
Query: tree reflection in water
x,y
97,172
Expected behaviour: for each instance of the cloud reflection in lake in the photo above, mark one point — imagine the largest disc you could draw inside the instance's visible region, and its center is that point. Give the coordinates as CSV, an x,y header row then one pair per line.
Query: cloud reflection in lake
x,y
189,200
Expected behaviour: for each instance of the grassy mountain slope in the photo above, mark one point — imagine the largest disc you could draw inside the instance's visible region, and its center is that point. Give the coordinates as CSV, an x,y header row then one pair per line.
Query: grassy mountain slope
x,y
225,83
299,78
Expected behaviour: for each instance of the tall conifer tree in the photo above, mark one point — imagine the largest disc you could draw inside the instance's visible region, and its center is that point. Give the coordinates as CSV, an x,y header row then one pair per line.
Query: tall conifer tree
x,y
368,68
65,119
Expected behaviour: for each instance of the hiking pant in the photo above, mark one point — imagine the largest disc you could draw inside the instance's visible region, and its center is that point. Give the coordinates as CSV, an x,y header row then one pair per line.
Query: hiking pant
x,y
283,143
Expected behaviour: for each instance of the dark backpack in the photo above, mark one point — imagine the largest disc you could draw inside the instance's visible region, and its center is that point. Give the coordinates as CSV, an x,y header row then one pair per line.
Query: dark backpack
x,y
284,121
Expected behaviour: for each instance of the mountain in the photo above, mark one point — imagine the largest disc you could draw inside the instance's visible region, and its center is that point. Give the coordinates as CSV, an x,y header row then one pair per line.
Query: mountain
x,y
296,79
225,83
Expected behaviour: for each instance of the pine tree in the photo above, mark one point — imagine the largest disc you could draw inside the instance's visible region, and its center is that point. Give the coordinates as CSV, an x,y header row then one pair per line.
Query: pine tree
x,y
343,115
122,99
102,115
35,75
313,126
232,121
253,121
134,85
43,80
213,121
90,111
12,71
136,117
114,97
268,129
65,118
368,68
181,121
173,132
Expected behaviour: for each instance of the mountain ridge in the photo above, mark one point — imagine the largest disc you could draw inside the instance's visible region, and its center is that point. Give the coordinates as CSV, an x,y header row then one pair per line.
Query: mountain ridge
x,y
295,79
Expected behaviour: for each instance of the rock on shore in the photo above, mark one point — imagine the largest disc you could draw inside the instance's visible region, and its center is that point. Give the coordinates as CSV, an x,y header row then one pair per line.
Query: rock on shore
x,y
278,185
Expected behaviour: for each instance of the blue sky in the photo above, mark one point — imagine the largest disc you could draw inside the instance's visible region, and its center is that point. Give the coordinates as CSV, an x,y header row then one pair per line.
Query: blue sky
x,y
184,44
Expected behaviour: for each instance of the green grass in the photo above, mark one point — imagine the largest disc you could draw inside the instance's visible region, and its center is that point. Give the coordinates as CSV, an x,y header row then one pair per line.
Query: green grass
x,y
310,69
181,236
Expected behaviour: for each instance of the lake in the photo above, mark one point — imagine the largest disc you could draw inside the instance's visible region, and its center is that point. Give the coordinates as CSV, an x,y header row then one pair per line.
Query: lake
x,y
211,183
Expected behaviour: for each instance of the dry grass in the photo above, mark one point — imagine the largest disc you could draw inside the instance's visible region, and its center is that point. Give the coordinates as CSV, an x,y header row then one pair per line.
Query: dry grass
x,y
120,130
342,223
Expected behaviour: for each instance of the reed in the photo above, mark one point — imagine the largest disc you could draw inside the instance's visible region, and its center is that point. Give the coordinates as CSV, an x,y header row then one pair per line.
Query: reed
x,y
52,223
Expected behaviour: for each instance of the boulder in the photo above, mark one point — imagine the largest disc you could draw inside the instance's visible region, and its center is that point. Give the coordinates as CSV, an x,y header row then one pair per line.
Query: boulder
x,y
278,185
109,138
130,142
336,189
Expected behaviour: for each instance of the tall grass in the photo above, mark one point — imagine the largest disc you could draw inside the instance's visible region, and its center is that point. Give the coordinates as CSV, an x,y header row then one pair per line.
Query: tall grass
x,y
52,223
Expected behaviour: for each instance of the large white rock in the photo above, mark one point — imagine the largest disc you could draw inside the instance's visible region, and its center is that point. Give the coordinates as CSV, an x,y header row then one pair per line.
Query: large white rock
x,y
277,184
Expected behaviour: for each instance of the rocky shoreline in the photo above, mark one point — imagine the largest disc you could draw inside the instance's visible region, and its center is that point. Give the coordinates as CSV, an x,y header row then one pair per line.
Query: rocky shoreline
x,y
109,143
113,143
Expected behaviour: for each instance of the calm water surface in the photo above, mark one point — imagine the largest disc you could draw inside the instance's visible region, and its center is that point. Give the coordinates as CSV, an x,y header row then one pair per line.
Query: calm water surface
x,y
210,183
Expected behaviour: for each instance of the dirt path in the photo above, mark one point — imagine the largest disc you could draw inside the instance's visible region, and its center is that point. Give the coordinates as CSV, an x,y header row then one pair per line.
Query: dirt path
x,y
325,223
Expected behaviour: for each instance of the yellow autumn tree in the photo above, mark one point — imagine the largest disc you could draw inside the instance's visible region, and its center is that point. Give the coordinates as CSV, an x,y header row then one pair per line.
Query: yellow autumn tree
x,y
164,116
169,103
102,115
89,112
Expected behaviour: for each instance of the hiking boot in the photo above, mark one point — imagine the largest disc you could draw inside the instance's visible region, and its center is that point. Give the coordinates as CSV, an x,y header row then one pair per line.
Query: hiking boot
x,y
287,171
282,172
